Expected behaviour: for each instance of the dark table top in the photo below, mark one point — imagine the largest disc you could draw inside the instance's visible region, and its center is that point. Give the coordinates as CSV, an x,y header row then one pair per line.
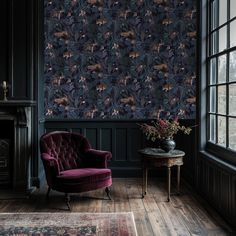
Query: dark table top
x,y
157,152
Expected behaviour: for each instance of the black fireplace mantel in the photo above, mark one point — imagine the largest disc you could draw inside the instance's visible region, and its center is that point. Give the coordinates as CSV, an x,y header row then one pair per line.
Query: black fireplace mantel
x,y
21,154
17,108
17,103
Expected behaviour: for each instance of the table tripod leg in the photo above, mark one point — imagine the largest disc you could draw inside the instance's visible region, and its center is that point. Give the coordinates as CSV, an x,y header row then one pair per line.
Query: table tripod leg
x,y
144,182
178,179
146,176
169,182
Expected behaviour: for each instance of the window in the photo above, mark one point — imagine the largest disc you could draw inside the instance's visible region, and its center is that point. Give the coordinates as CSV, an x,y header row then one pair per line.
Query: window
x,y
221,76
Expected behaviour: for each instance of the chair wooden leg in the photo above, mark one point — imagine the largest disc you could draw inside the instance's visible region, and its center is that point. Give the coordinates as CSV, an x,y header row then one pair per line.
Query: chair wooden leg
x,y
107,190
47,195
67,200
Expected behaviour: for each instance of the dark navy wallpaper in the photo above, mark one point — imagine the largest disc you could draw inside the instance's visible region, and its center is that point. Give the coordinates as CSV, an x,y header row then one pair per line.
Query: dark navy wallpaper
x,y
123,59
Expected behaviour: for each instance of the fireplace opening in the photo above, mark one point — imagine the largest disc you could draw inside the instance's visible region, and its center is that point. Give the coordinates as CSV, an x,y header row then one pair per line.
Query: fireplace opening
x,y
6,153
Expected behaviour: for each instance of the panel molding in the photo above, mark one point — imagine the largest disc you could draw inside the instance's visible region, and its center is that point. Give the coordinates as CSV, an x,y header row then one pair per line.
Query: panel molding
x,y
124,138
217,184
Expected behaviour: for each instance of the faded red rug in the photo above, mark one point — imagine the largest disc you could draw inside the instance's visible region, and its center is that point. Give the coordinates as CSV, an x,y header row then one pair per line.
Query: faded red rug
x,y
79,224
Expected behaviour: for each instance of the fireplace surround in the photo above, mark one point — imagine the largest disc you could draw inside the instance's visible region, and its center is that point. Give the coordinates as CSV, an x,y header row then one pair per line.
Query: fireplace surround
x,y
16,149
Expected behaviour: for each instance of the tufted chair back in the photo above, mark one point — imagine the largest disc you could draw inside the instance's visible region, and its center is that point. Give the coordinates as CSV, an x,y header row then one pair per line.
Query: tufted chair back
x,y
67,148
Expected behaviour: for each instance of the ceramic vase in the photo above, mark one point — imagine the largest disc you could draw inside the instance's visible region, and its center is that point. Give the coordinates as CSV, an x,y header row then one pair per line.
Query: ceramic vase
x,y
167,145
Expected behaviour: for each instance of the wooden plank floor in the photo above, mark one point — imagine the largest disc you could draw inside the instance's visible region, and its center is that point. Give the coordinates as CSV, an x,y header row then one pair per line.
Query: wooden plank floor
x,y
187,214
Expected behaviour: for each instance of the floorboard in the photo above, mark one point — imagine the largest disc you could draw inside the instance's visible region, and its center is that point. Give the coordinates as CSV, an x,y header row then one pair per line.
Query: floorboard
x,y
186,214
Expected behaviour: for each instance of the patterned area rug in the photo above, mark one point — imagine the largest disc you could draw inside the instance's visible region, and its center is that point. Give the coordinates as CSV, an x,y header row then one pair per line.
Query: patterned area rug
x,y
79,224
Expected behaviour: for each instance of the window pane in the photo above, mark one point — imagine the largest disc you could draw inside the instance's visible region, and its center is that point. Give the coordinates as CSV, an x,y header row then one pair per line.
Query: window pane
x,y
221,100
213,99
221,128
214,20
213,71
232,33
222,69
219,40
232,66
232,99
232,133
212,128
222,38
232,8
214,45
222,11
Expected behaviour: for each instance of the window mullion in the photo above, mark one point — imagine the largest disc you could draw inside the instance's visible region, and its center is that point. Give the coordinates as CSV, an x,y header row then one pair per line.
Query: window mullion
x,y
221,53
227,75
208,53
221,26
216,107
210,26
227,109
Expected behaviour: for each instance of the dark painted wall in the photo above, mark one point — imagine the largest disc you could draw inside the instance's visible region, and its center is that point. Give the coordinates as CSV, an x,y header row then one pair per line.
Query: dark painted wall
x,y
120,59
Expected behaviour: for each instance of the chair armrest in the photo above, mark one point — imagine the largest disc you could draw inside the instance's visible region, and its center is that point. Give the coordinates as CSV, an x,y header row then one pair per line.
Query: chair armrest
x,y
51,167
96,158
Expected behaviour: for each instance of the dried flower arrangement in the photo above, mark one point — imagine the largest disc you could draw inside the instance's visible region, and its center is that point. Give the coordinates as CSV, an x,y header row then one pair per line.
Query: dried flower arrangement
x,y
163,129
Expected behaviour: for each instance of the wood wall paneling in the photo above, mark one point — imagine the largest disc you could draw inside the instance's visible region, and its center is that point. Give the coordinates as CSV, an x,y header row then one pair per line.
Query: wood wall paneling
x,y
3,43
123,139
135,142
225,193
92,135
211,183
106,139
121,144
216,197
233,199
20,43
20,36
216,183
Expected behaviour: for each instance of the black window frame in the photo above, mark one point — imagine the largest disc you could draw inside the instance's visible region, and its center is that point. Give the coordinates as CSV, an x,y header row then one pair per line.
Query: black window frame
x,y
225,153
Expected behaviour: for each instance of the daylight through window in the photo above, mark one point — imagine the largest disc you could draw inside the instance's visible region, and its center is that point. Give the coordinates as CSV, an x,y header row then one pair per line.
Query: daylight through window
x,y
221,64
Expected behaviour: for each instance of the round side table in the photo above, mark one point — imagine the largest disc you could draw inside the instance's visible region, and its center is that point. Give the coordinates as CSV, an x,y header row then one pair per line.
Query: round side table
x,y
155,157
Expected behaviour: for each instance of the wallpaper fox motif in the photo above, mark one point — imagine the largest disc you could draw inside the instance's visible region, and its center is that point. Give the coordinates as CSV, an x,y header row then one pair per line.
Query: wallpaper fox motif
x,y
109,59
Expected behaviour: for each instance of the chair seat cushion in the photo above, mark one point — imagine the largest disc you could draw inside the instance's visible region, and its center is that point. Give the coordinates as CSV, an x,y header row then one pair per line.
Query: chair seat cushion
x,y
84,175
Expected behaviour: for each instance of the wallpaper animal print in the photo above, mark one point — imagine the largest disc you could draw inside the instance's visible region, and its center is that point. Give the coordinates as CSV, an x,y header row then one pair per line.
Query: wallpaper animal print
x,y
120,59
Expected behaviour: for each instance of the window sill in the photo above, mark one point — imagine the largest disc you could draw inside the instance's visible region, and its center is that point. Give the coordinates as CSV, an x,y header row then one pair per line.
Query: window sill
x,y
218,161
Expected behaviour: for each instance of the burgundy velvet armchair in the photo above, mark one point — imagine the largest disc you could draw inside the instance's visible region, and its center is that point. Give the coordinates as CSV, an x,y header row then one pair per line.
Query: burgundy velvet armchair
x,y
72,166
